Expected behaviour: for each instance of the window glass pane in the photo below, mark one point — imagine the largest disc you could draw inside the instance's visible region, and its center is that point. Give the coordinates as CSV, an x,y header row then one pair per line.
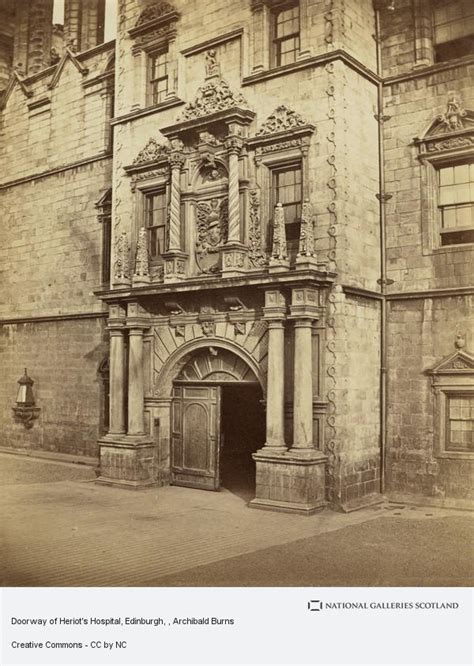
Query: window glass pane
x,y
463,216
462,193
453,20
460,427
449,218
461,173
446,176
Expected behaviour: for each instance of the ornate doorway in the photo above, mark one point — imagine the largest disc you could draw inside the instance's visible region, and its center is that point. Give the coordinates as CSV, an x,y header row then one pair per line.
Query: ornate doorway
x,y
217,421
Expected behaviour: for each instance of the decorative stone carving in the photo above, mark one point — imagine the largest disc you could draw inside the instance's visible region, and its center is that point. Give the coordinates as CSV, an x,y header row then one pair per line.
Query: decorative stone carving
x,y
179,331
208,328
453,118
256,255
154,11
306,245
281,120
212,66
212,222
240,328
456,142
215,95
152,152
279,250
122,262
141,273
459,361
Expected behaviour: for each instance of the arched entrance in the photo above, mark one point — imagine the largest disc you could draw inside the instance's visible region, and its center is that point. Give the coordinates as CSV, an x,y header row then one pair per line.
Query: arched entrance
x,y
217,422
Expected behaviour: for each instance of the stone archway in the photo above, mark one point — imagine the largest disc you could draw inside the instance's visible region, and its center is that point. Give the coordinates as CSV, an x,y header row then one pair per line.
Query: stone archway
x,y
178,360
217,417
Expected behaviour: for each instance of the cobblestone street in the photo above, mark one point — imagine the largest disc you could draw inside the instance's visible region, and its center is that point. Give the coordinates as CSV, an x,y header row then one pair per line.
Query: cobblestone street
x,y
61,529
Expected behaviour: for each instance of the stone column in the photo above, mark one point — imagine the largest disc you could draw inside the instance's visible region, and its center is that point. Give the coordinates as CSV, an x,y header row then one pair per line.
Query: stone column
x,y
135,383
274,313
234,252
234,146
175,258
304,310
117,382
303,386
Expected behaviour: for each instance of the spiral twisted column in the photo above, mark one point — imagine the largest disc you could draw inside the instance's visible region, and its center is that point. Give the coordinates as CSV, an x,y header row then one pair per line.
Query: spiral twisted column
x,y
234,146
176,160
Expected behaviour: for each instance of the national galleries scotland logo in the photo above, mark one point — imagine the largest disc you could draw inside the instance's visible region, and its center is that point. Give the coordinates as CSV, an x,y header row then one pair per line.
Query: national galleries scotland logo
x,y
319,605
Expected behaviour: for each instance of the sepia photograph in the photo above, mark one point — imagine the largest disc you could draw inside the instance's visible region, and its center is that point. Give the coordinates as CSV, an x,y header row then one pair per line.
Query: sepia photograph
x,y
237,294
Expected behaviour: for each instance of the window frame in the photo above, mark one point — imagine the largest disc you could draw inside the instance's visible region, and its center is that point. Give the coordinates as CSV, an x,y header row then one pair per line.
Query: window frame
x,y
444,392
151,56
275,42
276,169
437,46
439,207
147,194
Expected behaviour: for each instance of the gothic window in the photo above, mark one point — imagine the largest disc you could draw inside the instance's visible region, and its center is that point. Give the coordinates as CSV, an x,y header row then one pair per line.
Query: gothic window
x,y
286,34
287,190
155,221
453,29
456,203
158,76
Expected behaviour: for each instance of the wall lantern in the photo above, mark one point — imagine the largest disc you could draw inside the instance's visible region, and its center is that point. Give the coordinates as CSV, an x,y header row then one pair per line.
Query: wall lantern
x,y
25,411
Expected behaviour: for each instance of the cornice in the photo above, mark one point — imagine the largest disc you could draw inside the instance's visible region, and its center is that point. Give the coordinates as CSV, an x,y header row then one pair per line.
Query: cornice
x,y
429,70
140,113
314,61
49,318
212,43
106,155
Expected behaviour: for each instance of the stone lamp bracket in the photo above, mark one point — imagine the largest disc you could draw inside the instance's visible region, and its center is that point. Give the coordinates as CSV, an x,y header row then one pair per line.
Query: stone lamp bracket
x,y
26,415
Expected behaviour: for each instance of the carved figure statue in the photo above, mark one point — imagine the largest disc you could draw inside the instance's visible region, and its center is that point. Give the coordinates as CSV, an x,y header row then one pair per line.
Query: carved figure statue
x,y
212,66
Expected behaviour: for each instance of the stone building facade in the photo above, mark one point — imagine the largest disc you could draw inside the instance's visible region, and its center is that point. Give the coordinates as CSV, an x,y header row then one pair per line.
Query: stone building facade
x,y
238,245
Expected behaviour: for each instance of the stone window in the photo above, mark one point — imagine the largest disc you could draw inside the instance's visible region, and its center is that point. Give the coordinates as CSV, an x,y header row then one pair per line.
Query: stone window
x,y
456,203
154,46
285,34
158,76
155,209
460,422
453,385
104,207
287,190
453,28
446,152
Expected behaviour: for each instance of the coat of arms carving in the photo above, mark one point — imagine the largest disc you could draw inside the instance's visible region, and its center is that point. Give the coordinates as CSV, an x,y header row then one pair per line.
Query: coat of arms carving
x,y
212,223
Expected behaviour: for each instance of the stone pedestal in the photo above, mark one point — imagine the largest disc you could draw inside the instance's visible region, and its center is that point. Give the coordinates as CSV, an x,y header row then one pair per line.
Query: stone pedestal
x,y
175,265
290,483
127,464
233,259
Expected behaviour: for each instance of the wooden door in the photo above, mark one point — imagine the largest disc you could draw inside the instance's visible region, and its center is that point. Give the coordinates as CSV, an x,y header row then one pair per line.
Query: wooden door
x,y
195,435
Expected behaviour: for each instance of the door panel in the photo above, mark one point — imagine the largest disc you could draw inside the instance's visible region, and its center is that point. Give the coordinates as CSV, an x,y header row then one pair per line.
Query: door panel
x,y
195,419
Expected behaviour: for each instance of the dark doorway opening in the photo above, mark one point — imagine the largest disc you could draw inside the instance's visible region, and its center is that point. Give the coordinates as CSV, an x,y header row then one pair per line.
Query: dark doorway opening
x,y
242,433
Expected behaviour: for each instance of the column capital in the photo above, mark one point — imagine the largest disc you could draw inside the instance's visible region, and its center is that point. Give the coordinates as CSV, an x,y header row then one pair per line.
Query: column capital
x,y
305,303
275,305
176,160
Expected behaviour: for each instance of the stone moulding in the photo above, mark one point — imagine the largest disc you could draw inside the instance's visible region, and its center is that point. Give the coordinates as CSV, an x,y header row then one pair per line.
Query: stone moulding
x,y
215,95
282,119
152,152
154,15
450,132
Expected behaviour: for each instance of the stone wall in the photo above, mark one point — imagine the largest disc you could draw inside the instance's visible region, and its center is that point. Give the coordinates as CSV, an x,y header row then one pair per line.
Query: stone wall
x,y
353,396
63,359
422,333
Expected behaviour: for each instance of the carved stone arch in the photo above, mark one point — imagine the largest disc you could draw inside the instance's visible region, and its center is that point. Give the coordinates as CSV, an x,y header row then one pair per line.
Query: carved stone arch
x,y
177,361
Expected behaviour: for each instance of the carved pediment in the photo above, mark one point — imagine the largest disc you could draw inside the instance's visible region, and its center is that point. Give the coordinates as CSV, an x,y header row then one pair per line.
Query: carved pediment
x,y
215,95
152,152
281,120
459,362
157,10
452,130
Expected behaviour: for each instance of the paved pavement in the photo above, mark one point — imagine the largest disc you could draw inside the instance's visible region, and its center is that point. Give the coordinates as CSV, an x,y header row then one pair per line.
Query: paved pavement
x,y
59,528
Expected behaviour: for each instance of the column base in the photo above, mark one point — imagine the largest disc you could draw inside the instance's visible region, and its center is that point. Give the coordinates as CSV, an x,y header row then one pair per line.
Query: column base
x,y
278,265
175,266
141,280
233,259
290,482
303,262
127,461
